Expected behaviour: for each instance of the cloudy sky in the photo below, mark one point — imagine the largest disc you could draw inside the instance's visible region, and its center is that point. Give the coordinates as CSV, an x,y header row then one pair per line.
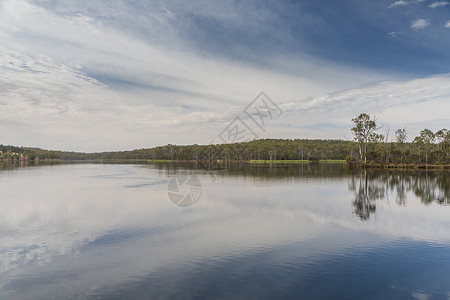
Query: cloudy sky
x,y
97,75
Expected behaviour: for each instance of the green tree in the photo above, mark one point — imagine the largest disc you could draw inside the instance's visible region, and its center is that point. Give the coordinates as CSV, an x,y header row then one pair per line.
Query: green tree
x,y
364,132
401,136
426,139
443,139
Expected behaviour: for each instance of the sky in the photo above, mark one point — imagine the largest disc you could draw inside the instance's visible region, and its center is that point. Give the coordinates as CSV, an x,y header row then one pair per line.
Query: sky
x,y
101,75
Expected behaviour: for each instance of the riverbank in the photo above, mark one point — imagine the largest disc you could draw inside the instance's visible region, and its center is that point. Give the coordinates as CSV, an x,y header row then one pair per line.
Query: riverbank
x,y
400,166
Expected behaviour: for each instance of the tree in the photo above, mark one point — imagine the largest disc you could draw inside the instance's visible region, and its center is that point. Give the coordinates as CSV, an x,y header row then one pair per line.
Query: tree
x,y
364,131
443,139
426,139
388,146
401,136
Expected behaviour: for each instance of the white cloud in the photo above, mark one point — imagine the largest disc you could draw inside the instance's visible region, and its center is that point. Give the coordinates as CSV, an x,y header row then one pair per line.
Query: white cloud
x,y
438,4
84,86
415,103
398,3
394,34
447,25
74,83
420,24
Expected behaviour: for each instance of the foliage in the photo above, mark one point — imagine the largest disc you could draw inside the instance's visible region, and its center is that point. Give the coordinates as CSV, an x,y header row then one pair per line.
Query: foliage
x,y
369,148
364,132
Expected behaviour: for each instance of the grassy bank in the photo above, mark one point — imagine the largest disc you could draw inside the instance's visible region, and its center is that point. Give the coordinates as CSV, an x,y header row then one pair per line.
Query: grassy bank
x,y
159,160
404,166
279,162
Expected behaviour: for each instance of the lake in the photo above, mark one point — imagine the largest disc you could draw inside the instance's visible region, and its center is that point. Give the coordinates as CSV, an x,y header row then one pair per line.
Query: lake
x,y
177,231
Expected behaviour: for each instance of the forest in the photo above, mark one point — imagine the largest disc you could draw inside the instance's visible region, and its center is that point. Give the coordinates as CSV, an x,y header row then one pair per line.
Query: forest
x,y
368,148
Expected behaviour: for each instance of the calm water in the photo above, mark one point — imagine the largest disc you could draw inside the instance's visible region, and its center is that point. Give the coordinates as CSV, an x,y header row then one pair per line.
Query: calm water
x,y
109,231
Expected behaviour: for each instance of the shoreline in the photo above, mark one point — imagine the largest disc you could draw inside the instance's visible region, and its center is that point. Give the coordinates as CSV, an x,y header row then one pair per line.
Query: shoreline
x,y
251,162
399,166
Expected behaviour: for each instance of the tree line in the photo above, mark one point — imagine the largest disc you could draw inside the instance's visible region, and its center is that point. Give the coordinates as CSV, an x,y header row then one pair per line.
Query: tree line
x,y
13,153
426,148
368,147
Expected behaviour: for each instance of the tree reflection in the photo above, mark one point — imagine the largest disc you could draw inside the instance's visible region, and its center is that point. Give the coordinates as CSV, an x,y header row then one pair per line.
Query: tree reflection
x,y
430,187
265,172
372,185
367,191
11,165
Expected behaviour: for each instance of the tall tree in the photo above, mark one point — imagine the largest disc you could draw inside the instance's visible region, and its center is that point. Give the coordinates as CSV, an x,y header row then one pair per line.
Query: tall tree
x,y
364,131
401,136
443,139
426,138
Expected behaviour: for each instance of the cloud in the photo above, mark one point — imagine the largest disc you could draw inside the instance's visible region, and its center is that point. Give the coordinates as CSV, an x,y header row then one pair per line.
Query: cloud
x,y
438,4
417,103
72,81
394,34
74,77
420,24
398,3
447,24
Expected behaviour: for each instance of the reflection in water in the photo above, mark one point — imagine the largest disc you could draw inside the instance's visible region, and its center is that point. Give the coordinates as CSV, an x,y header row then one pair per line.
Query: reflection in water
x,y
109,231
366,193
265,172
11,165
432,187
372,185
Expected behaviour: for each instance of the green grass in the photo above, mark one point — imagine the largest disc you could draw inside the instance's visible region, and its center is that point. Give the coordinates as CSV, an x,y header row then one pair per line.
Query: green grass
x,y
159,160
279,162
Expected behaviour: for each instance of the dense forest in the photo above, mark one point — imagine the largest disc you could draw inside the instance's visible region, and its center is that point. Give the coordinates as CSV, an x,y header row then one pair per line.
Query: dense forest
x,y
368,147
266,149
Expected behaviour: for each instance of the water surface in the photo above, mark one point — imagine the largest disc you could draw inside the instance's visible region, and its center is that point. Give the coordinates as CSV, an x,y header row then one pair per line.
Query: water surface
x,y
109,231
